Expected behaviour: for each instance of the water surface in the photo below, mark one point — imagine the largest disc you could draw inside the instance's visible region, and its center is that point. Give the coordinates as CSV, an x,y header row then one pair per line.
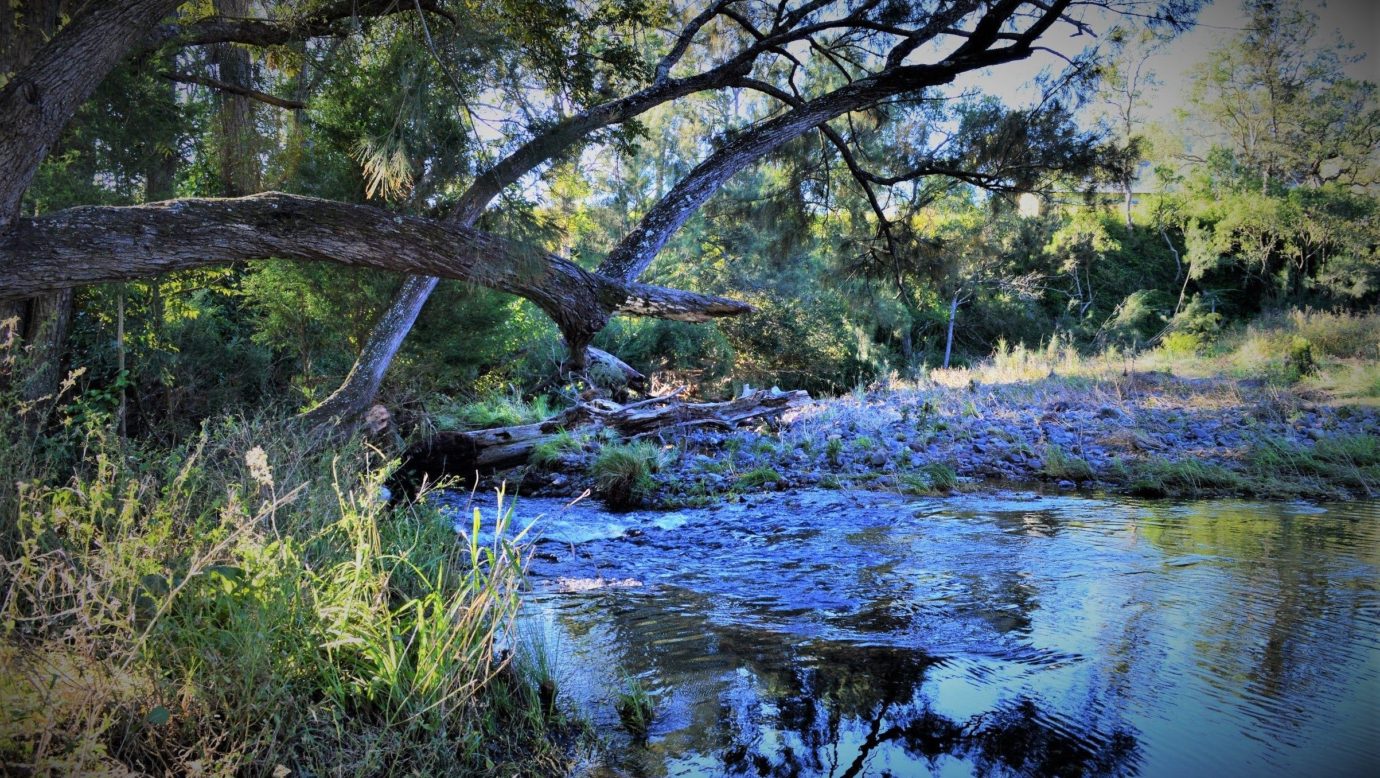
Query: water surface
x,y
828,633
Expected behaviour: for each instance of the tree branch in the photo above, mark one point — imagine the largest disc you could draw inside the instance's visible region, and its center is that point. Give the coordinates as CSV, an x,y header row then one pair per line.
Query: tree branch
x,y
100,244
235,89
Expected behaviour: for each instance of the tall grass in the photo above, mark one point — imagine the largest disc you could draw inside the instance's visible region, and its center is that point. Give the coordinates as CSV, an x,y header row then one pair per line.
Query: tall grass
x,y
245,603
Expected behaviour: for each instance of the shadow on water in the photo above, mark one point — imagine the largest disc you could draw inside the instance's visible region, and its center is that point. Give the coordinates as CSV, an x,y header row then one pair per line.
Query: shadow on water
x,y
864,634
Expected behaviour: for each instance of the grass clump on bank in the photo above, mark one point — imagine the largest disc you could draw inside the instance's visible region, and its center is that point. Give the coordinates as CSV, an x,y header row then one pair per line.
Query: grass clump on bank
x,y
1286,468
623,473
498,409
1185,477
1059,464
759,477
932,478
243,603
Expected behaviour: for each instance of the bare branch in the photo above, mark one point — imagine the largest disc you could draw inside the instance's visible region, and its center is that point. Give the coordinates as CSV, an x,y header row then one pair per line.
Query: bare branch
x,y
235,89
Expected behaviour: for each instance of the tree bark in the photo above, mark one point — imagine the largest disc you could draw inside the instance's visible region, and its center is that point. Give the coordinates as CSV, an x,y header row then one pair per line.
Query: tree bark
x,y
42,97
236,133
53,78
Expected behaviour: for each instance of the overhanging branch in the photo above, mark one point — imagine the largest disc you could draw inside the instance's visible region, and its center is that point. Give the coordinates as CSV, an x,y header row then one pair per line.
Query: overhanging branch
x,y
100,244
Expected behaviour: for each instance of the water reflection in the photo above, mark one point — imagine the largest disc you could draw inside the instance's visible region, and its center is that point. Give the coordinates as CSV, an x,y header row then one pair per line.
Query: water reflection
x,y
829,634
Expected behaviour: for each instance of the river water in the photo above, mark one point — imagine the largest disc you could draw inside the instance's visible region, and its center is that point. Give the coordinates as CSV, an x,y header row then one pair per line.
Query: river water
x,y
833,633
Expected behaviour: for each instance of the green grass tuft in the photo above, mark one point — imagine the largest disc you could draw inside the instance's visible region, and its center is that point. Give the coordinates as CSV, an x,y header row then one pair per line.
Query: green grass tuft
x,y
623,473
758,477
495,410
548,452
636,708
1059,464
1186,477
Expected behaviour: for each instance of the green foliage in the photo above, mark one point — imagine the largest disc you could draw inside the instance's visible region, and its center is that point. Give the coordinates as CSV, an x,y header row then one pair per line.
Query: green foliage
x,y
1184,477
494,410
833,450
636,708
933,478
758,477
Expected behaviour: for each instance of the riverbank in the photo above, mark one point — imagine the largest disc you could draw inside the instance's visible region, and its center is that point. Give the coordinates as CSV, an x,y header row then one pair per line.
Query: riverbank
x,y
1149,433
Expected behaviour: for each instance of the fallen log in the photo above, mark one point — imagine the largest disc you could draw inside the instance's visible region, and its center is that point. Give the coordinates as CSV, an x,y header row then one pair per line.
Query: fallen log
x,y
472,454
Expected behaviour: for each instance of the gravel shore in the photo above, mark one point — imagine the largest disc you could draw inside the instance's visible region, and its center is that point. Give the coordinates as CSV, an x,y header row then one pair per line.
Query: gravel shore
x,y
1146,433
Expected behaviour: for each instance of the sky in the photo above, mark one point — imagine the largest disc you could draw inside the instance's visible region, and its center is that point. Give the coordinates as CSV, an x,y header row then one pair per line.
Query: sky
x,y
1357,21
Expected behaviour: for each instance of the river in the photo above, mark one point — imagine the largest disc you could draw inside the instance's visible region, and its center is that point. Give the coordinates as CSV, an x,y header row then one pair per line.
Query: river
x,y
836,634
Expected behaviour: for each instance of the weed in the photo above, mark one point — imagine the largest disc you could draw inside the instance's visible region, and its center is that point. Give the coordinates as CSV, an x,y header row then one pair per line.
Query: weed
x,y
198,612
1187,477
833,450
549,452
933,478
493,410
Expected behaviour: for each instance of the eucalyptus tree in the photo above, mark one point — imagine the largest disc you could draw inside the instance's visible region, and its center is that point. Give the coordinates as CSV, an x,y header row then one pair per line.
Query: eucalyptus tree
x,y
876,54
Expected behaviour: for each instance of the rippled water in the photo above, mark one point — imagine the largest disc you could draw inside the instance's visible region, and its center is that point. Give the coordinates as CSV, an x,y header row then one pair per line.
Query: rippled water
x,y
825,633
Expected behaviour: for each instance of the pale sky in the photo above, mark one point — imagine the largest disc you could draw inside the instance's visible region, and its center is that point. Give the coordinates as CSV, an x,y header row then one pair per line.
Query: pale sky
x,y
1356,21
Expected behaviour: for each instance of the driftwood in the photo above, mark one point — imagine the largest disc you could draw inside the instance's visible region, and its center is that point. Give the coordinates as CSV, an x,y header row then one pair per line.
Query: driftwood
x,y
483,452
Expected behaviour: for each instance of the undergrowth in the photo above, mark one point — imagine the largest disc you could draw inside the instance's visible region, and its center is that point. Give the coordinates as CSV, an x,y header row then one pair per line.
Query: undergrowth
x,y
244,603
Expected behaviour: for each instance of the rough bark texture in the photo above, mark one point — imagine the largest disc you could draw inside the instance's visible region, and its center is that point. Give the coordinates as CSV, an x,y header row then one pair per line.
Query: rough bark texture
x,y
237,136
483,452
98,244
53,76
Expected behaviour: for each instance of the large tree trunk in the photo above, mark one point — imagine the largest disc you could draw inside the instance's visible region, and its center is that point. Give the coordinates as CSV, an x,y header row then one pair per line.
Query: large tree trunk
x,y
53,76
42,97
